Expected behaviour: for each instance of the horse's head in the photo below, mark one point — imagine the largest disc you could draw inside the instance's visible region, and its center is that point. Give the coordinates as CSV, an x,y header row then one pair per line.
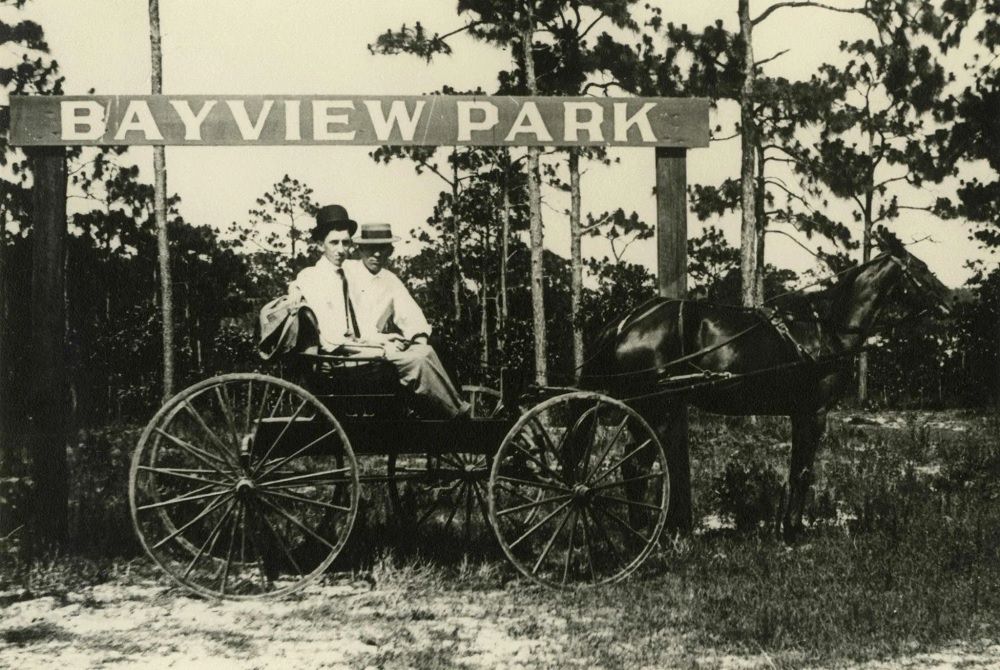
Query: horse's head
x,y
917,281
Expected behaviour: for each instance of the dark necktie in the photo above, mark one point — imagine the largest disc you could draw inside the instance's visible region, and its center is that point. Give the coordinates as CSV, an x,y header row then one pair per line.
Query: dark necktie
x,y
352,321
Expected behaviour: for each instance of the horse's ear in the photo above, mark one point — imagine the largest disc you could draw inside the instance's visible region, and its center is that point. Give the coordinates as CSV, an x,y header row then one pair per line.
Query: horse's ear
x,y
887,241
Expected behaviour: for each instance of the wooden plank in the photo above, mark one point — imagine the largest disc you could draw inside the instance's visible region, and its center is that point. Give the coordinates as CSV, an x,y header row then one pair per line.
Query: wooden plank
x,y
671,244
48,398
433,120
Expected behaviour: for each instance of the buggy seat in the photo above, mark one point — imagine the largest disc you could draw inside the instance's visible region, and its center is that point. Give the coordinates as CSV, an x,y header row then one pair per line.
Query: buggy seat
x,y
355,382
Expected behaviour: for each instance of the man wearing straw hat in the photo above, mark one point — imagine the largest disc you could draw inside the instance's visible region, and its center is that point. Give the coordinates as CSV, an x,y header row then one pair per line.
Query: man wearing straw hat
x,y
361,301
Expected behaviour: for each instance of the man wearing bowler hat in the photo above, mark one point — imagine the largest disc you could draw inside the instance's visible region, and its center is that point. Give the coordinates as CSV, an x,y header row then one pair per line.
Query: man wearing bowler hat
x,y
362,301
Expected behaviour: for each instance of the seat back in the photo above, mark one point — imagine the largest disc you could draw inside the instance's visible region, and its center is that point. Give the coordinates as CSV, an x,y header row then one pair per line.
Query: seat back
x,y
357,388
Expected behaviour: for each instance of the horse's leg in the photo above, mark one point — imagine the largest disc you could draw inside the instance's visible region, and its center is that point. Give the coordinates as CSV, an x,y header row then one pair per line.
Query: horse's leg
x,y
807,429
669,422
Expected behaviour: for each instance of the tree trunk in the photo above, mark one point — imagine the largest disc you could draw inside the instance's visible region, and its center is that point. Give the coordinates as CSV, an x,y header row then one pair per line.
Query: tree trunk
x,y
160,210
748,233
7,441
761,221
535,210
484,324
504,252
47,396
505,243
866,255
456,284
576,260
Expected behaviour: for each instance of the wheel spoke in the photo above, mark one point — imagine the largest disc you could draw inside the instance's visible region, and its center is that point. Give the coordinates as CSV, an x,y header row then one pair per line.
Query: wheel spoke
x,y
208,510
539,524
229,550
200,420
483,507
180,474
261,568
277,403
263,403
308,478
587,544
246,425
611,444
284,430
536,484
626,501
533,504
620,462
630,480
281,543
430,511
454,506
593,434
280,510
552,541
569,550
285,459
227,412
552,473
213,536
507,488
307,501
187,497
202,456
611,545
614,517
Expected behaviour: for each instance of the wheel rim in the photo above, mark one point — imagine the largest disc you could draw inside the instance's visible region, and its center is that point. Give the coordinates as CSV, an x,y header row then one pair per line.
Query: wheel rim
x,y
243,486
579,490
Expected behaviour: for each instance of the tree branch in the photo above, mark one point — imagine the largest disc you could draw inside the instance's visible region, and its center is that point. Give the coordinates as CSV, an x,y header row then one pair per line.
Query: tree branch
x,y
793,239
807,3
771,58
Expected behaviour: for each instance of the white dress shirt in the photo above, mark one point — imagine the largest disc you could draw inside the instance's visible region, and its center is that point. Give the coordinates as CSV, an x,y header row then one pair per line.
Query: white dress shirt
x,y
380,301
383,304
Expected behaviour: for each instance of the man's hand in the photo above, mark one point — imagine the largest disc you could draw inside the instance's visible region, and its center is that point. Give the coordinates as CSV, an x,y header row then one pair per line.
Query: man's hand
x,y
398,341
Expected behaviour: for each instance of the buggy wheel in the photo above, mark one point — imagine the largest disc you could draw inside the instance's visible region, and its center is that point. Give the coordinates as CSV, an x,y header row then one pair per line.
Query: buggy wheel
x,y
243,486
446,492
579,490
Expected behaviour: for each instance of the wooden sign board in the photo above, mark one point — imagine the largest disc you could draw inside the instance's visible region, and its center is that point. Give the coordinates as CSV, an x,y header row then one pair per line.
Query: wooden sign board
x,y
431,120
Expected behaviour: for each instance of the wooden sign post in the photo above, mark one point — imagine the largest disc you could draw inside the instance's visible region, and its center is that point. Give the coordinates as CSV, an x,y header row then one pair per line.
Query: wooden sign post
x,y
671,274
668,125
48,416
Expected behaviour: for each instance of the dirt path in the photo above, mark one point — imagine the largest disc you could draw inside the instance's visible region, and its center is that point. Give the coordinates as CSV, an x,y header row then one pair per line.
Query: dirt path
x,y
343,624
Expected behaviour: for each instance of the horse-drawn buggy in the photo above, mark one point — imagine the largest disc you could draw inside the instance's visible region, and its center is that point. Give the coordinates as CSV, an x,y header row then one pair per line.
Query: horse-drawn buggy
x,y
248,485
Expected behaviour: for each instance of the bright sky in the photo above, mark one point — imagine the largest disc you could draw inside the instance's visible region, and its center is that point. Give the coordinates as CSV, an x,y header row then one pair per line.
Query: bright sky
x,y
319,47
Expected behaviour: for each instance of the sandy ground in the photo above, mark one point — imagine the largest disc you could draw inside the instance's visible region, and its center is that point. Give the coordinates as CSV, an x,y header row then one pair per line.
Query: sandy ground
x,y
341,624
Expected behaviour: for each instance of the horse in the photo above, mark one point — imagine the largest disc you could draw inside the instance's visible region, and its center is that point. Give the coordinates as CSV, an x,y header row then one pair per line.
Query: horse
x,y
793,358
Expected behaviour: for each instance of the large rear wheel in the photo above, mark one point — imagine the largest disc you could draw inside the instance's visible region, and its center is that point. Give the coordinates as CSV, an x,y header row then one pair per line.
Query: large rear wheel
x,y
244,486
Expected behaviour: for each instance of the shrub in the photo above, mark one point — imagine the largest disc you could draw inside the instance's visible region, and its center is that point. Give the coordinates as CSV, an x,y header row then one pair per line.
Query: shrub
x,y
749,493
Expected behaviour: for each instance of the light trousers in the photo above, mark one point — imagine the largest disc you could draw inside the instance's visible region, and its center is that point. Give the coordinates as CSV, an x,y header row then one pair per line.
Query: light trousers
x,y
420,371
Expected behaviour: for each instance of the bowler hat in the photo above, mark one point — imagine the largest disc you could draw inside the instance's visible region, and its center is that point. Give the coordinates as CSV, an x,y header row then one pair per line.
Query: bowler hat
x,y
375,233
333,217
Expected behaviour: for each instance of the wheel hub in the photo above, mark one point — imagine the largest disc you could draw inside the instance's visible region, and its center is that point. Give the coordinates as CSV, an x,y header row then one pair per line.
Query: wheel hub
x,y
581,491
245,486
